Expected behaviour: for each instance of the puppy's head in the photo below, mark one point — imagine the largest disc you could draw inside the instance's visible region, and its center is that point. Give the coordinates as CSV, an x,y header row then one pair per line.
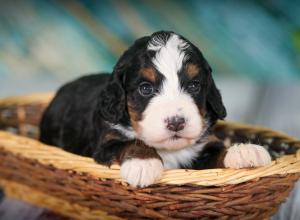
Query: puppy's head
x,y
163,88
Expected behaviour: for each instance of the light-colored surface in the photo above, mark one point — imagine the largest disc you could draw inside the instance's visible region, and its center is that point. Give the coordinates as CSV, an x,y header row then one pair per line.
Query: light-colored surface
x,y
273,105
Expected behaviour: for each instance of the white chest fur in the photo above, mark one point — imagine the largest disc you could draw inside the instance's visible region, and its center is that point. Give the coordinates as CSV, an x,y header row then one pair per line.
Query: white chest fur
x,y
183,157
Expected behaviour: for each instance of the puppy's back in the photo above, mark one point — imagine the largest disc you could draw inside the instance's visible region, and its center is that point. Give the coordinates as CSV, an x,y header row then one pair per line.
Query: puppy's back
x,y
68,120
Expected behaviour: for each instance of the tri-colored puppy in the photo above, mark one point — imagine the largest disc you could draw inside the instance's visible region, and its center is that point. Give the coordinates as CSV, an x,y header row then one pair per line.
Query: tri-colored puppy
x,y
153,112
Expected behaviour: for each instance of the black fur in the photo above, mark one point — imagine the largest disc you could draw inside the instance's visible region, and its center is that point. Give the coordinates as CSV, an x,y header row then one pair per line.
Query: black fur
x,y
83,112
72,119
215,105
210,156
112,102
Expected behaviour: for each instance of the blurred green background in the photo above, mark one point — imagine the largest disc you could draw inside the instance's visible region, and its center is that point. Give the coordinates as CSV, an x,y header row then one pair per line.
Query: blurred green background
x,y
252,46
57,40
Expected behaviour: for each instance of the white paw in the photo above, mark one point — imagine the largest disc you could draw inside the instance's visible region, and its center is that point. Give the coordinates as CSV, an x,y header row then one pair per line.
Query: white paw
x,y
246,155
141,172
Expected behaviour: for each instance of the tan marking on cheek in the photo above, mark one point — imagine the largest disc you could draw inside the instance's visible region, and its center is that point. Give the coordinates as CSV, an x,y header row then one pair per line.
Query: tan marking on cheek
x,y
212,138
149,74
192,70
112,136
202,112
135,117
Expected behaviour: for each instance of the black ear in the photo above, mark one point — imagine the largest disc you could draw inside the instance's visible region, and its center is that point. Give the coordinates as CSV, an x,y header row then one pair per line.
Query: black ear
x,y
215,103
112,102
113,98
214,98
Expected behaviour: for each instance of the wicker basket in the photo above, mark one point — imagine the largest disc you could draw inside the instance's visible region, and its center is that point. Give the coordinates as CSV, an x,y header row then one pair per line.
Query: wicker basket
x,y
79,188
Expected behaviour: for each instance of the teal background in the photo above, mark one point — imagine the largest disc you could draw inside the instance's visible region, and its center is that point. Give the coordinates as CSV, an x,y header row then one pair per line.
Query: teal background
x,y
58,40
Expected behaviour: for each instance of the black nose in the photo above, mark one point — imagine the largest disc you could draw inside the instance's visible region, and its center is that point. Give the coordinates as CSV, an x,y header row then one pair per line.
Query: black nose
x,y
175,123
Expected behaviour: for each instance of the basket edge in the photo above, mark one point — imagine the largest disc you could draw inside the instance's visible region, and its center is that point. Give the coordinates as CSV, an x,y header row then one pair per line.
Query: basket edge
x,y
34,150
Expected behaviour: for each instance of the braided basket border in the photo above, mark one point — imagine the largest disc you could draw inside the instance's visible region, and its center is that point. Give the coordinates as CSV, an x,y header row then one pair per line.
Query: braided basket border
x,y
49,155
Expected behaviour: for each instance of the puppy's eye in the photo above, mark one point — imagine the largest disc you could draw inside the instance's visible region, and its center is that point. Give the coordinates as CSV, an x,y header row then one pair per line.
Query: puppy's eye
x,y
193,86
146,89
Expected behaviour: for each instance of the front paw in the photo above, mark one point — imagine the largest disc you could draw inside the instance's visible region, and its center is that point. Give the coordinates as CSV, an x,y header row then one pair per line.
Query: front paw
x,y
246,155
141,172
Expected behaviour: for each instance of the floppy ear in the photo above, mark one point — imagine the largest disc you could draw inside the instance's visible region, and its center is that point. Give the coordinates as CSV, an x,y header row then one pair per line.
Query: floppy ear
x,y
112,105
214,99
112,102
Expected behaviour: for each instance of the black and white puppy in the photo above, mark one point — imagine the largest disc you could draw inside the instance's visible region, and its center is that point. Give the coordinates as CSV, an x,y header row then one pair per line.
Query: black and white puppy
x,y
153,112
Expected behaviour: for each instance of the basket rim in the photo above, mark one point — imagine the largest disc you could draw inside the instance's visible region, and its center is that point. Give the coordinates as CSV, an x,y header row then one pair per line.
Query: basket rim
x,y
51,155
60,159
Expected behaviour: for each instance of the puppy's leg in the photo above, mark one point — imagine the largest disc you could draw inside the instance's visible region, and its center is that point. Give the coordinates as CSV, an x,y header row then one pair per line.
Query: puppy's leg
x,y
216,155
140,164
212,156
106,153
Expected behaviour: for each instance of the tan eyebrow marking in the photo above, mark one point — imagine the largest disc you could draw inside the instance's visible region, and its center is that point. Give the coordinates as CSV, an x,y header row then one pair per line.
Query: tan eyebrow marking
x,y
134,116
149,73
192,70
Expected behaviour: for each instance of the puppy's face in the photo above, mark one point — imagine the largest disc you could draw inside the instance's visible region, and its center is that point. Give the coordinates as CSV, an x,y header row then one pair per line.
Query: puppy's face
x,y
166,82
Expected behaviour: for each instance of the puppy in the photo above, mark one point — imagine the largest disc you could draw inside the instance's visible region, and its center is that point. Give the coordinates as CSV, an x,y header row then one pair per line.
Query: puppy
x,y
154,112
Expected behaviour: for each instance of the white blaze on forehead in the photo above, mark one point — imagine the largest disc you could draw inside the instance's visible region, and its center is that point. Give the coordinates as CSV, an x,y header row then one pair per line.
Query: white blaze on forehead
x,y
169,58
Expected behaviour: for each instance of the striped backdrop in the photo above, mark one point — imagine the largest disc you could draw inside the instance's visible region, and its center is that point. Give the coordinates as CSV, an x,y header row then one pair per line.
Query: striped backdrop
x,y
58,40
